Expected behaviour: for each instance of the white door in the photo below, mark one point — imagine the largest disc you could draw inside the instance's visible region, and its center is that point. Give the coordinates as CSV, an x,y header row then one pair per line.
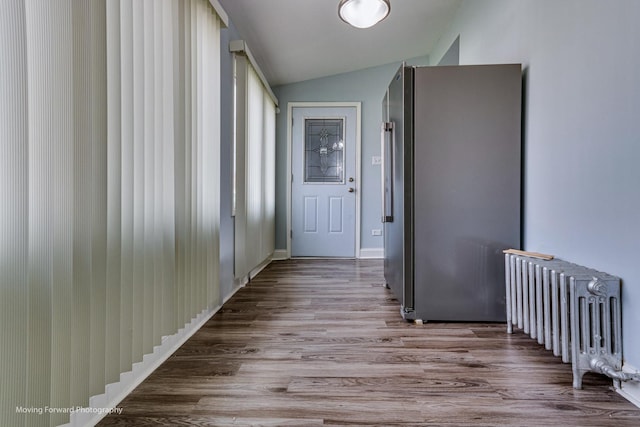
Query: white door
x,y
323,187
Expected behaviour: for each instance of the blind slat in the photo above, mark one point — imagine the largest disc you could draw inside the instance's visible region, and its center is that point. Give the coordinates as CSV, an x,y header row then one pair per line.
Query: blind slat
x,y
14,211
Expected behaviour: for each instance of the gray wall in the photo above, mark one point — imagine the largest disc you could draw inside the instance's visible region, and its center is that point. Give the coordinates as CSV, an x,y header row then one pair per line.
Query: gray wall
x,y
367,86
582,144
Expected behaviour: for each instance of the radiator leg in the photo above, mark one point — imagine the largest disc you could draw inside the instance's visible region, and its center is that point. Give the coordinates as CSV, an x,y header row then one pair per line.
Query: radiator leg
x,y
509,297
577,377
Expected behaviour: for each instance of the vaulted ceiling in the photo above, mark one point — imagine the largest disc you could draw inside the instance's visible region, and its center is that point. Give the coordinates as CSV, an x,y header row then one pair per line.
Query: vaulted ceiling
x,y
297,40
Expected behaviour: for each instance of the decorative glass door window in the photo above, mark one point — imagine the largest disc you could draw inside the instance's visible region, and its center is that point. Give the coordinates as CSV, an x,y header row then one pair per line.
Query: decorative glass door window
x,y
324,150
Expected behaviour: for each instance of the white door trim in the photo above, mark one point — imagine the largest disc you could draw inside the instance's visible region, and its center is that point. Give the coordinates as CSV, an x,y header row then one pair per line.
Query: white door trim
x,y
358,107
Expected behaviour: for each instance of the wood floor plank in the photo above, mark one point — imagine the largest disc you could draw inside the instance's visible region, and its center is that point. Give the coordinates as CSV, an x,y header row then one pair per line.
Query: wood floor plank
x,y
322,342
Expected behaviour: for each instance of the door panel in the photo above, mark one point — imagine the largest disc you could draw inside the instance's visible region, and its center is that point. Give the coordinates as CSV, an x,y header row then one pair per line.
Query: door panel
x,y
323,200
310,214
336,214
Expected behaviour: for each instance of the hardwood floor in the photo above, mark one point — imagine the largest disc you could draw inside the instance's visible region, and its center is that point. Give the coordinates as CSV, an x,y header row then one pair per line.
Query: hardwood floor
x,y
321,342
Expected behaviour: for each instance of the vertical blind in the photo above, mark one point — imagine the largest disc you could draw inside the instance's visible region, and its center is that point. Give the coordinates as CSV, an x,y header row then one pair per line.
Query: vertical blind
x,y
255,170
109,189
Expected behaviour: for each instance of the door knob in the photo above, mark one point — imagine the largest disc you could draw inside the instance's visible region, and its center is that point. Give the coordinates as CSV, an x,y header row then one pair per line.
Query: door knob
x,y
351,190
350,179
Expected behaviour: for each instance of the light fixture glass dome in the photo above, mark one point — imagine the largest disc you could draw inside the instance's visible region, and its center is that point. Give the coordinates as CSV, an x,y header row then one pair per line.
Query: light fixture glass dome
x,y
363,13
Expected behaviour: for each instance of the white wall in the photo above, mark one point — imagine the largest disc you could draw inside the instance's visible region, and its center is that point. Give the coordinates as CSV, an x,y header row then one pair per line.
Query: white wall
x,y
581,138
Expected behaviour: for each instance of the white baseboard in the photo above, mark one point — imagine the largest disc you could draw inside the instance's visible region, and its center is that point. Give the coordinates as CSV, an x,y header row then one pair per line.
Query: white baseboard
x,y
240,282
116,392
256,270
280,254
630,390
371,253
237,285
365,253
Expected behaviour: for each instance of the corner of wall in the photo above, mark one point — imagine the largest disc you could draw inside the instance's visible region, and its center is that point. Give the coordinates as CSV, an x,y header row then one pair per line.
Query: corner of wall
x,y
280,255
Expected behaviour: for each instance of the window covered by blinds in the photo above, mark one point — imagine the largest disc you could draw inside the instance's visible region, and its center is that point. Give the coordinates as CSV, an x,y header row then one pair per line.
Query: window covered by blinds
x,y
109,181
255,169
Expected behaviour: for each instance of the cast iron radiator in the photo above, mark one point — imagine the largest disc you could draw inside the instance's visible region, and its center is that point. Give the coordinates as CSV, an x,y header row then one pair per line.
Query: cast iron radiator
x,y
571,309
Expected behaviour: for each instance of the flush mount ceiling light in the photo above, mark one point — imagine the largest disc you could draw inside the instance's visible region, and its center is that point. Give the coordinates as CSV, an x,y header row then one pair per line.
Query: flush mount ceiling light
x,y
363,13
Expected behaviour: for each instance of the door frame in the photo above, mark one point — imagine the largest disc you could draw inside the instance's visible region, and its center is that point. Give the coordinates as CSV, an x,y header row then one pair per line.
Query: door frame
x,y
358,106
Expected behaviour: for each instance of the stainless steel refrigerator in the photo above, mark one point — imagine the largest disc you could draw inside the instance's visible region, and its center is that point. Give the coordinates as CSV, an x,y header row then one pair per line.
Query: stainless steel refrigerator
x,y
451,181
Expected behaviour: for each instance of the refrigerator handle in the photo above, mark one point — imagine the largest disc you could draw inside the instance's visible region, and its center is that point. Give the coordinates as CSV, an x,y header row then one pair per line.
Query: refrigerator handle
x,y
387,135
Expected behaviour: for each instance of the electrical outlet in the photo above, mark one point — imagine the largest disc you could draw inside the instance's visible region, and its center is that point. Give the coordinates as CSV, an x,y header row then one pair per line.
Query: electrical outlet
x,y
376,232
